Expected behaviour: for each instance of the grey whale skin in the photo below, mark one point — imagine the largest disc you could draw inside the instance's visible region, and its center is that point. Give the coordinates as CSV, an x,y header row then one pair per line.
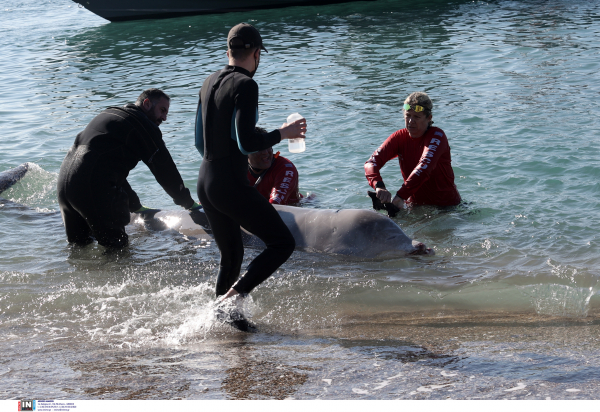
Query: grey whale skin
x,y
12,176
350,232
359,233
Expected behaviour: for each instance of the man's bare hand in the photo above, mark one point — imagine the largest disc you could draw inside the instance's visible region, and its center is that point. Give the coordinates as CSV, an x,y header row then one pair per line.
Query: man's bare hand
x,y
383,195
294,130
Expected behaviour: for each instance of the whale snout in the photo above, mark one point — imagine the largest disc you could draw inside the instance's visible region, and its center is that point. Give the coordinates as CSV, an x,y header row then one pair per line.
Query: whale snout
x,y
421,249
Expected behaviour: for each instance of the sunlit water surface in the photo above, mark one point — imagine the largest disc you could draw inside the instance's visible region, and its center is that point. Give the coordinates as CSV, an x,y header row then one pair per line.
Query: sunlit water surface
x,y
508,307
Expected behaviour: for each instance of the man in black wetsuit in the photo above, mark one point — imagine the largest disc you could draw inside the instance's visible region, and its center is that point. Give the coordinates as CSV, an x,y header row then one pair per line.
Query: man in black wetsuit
x,y
93,193
225,134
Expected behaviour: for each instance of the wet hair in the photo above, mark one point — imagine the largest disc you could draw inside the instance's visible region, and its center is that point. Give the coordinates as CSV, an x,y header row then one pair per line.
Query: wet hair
x,y
421,99
153,94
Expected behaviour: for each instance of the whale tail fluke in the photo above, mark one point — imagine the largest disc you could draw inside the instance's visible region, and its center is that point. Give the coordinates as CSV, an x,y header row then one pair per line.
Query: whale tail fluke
x,y
11,176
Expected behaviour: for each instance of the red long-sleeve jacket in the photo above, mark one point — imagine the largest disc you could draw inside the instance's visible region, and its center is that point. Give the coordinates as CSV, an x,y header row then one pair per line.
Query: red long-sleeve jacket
x,y
280,183
425,164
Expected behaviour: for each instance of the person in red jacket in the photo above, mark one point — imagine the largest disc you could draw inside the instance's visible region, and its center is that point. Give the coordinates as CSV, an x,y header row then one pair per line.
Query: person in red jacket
x,y
424,156
274,176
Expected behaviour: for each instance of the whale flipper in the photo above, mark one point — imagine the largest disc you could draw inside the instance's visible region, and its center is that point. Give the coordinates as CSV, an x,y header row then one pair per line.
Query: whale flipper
x,y
12,176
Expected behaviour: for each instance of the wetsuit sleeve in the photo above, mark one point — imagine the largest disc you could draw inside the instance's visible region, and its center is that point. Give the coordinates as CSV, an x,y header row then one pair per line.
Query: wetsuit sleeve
x,y
134,200
284,183
386,152
199,131
432,153
245,118
163,168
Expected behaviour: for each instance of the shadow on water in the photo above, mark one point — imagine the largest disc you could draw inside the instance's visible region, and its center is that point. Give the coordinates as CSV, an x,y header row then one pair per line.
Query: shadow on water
x,y
402,351
490,345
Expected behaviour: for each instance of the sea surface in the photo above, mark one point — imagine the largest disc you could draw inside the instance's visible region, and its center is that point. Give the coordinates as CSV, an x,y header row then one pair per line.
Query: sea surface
x,y
509,306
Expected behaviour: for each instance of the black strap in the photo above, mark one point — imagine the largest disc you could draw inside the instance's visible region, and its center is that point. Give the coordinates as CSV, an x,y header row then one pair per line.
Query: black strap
x,y
260,176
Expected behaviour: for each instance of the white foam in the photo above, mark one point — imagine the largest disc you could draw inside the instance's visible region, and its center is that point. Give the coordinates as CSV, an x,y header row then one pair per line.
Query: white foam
x,y
519,386
431,388
381,385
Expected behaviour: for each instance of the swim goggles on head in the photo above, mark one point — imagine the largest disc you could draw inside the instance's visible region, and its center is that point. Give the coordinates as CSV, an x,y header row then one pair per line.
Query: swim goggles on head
x,y
416,107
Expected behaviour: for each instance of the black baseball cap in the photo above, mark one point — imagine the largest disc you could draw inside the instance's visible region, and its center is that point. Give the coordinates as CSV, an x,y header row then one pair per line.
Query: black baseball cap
x,y
244,36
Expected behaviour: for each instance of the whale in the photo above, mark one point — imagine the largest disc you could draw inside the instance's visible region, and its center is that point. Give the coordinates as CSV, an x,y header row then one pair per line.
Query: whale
x,y
358,233
9,177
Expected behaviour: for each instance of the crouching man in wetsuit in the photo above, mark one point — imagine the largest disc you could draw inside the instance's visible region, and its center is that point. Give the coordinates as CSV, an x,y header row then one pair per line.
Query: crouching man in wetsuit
x,y
93,193
225,135
274,176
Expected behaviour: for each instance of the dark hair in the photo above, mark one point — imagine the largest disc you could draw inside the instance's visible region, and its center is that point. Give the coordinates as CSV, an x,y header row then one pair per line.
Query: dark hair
x,y
153,94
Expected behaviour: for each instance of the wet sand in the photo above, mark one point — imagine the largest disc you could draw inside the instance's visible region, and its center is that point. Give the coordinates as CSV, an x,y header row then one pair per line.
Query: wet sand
x,y
424,355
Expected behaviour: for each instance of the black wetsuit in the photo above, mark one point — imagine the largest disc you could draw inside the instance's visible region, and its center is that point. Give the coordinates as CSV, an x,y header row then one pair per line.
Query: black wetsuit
x,y
225,134
93,193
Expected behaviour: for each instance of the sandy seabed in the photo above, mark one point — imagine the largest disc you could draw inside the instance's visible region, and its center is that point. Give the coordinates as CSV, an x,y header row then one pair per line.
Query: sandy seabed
x,y
424,355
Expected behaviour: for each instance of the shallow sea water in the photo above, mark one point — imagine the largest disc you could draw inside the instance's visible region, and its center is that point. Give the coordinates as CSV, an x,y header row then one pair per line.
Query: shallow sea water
x,y
509,306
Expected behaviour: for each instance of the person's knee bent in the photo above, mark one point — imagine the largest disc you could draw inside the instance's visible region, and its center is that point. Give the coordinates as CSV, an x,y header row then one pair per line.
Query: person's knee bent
x,y
77,230
289,246
284,246
288,241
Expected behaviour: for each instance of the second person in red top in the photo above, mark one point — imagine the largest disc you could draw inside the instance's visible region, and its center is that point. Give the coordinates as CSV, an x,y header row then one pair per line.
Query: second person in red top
x,y
274,176
424,156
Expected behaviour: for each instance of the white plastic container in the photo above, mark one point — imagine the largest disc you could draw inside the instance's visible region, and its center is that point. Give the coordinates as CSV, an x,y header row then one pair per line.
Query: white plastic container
x,y
295,145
